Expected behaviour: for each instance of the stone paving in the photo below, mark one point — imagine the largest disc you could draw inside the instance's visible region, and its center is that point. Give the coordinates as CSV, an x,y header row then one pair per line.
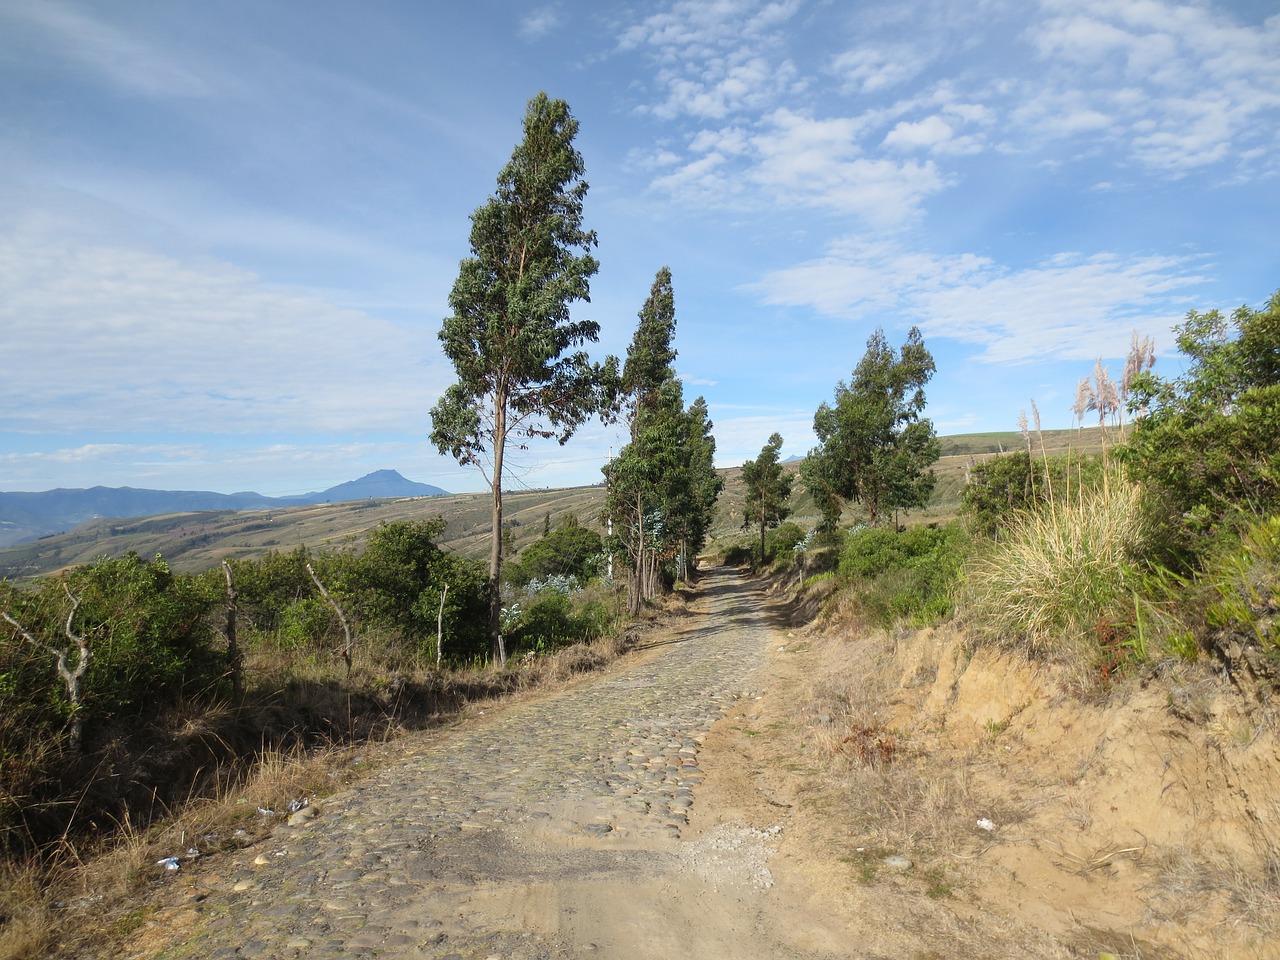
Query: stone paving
x,y
604,772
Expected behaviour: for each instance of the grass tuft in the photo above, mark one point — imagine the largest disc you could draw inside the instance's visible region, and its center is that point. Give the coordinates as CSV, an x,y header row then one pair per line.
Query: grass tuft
x,y
1062,578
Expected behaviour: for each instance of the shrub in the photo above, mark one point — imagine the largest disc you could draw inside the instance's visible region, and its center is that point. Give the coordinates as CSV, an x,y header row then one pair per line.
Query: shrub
x,y
1001,487
781,541
1206,443
552,620
907,575
1063,576
570,550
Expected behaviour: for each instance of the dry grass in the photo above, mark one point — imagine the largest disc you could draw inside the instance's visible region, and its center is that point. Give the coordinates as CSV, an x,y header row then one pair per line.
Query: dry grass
x,y
1191,884
890,796
26,925
1061,575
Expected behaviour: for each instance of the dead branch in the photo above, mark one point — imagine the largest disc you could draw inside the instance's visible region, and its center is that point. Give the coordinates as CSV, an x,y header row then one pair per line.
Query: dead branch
x,y
235,659
349,647
70,677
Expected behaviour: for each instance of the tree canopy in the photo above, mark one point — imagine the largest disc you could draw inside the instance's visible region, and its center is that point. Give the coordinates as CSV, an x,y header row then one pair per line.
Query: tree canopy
x,y
875,446
662,486
1205,440
768,490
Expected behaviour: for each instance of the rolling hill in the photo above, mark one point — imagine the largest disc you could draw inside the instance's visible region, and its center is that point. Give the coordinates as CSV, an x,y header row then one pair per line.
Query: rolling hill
x,y
193,538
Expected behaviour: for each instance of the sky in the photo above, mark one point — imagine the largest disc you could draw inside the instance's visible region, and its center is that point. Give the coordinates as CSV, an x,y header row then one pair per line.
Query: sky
x,y
228,231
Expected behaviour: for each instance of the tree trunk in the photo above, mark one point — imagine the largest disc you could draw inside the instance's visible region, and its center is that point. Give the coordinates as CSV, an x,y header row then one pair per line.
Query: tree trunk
x,y
762,524
495,547
235,659
440,625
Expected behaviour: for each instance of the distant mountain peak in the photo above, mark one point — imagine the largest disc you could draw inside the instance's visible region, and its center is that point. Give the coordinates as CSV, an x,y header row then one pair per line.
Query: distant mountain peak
x,y
378,485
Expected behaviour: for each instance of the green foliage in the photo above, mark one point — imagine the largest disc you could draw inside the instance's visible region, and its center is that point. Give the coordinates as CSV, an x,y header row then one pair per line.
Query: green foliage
x,y
1247,583
570,549
1204,442
148,632
768,490
1000,488
904,575
510,338
874,445
662,487
782,541
552,619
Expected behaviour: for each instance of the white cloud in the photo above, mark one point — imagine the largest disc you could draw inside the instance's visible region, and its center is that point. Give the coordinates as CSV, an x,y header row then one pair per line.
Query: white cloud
x,y
116,339
869,69
1069,307
928,133
801,162
538,23
1186,86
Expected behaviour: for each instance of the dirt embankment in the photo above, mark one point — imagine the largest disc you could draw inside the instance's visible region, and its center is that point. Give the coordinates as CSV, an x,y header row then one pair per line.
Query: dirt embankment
x,y
969,798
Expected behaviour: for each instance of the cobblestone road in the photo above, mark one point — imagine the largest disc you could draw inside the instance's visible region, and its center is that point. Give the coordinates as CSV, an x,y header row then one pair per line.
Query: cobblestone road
x,y
590,785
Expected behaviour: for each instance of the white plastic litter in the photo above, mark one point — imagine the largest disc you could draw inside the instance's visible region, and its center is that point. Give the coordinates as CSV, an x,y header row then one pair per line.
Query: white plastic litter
x,y
986,824
169,863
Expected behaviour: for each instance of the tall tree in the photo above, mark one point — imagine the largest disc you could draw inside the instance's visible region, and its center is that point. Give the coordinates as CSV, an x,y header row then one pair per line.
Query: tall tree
x,y
875,446
693,499
511,339
768,490
663,485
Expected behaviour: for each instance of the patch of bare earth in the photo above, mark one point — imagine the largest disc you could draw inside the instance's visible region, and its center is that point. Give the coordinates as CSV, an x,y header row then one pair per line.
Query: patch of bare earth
x,y
948,803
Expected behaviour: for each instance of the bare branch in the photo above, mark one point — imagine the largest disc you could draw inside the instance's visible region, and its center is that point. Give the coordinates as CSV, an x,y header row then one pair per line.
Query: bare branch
x,y
349,648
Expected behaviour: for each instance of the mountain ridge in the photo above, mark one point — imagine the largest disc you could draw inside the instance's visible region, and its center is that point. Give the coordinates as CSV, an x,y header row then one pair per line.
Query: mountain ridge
x,y
29,516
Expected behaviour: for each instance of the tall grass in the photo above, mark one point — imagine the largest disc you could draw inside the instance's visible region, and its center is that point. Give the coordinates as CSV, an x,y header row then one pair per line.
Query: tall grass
x,y
1063,577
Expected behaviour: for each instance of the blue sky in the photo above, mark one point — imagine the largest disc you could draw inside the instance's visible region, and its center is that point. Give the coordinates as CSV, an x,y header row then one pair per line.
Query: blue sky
x,y
228,230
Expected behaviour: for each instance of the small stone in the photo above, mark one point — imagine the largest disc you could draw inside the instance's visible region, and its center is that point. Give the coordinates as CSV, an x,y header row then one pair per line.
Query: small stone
x,y
896,862
304,816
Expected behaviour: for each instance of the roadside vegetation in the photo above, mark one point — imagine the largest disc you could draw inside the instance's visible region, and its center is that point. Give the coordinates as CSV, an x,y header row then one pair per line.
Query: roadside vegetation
x,y
1152,538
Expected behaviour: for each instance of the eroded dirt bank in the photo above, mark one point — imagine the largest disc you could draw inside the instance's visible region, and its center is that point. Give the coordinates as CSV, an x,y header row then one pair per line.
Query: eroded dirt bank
x,y
1143,823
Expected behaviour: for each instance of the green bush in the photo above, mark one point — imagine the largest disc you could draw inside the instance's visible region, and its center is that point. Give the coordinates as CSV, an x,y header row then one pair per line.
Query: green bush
x,y
552,619
1001,487
1205,446
570,550
1246,582
907,575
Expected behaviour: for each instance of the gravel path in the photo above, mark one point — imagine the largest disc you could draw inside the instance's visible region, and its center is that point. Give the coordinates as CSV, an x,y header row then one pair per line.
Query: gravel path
x,y
497,838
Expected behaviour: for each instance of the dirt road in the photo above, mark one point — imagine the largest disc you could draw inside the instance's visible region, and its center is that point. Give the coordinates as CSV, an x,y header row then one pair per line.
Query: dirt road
x,y
574,824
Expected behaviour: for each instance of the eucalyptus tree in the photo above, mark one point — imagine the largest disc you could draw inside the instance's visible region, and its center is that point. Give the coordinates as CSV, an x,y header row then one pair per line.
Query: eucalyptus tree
x,y
768,490
662,486
875,446
511,338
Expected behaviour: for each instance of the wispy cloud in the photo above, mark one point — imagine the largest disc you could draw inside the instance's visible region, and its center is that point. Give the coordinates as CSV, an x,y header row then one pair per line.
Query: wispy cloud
x,y
1069,307
149,342
540,22
124,58
1169,87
